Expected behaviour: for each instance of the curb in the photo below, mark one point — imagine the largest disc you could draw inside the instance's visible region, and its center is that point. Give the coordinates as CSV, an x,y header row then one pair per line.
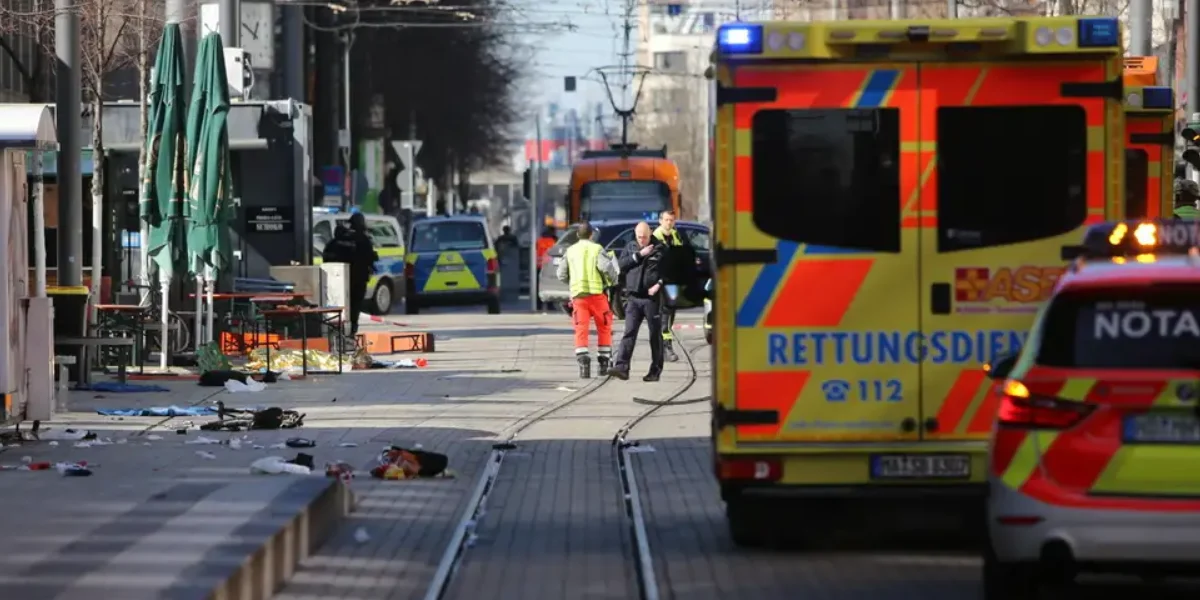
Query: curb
x,y
378,319
264,571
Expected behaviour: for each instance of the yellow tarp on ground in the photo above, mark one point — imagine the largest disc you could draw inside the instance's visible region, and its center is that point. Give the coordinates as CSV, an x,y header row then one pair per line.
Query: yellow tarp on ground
x,y
293,360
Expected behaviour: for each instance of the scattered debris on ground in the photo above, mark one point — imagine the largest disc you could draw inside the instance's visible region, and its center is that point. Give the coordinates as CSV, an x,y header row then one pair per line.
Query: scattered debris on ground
x,y
159,411
396,463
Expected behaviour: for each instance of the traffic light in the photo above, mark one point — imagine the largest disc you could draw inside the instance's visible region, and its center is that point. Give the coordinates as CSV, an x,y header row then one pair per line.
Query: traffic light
x,y
1191,153
527,183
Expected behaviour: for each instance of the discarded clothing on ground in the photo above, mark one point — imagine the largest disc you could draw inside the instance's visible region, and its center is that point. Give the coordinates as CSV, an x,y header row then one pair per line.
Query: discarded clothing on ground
x,y
403,463
218,378
114,387
159,411
232,419
275,465
404,363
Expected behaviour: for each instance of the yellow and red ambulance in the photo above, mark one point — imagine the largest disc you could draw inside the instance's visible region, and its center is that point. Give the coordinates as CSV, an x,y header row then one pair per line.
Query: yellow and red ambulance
x,y
890,205
1149,153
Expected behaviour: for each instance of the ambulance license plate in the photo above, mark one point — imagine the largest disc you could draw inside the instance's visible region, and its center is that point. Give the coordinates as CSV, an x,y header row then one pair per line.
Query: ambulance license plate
x,y
920,466
445,268
1162,429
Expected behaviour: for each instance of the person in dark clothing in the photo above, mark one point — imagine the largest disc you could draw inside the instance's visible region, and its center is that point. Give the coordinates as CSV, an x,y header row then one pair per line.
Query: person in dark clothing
x,y
352,245
506,240
676,267
639,266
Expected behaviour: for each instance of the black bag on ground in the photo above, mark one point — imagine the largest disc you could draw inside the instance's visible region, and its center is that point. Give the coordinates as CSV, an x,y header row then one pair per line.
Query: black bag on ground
x,y
218,378
432,463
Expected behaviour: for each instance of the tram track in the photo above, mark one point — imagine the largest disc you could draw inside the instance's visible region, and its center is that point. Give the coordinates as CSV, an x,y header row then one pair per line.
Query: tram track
x,y
642,554
463,534
477,503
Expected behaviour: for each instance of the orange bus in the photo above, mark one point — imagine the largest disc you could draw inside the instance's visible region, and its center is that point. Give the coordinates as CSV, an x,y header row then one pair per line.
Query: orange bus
x,y
1149,150
623,182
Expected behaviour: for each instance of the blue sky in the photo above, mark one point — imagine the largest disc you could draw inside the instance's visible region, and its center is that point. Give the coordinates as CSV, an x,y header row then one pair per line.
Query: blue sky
x,y
592,42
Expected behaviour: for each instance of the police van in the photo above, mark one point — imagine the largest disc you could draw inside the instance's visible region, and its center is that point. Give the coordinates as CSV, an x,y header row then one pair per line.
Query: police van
x,y
451,260
386,282
881,233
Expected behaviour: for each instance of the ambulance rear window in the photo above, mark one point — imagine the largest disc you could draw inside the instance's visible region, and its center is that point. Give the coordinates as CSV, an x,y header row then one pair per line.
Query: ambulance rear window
x,y
1142,328
1009,174
828,177
1137,174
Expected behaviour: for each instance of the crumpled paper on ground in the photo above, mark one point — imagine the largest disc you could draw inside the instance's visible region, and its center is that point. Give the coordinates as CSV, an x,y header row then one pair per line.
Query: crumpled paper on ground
x,y
293,360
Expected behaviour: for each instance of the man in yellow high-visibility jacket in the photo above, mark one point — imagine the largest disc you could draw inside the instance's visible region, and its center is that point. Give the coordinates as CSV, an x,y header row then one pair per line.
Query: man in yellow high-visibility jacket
x,y
672,273
589,270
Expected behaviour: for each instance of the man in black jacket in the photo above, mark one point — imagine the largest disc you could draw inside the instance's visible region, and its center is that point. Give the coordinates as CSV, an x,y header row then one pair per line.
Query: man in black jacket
x,y
354,247
639,266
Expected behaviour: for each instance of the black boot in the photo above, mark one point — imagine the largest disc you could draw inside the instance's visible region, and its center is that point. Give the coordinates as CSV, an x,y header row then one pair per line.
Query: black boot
x,y
669,352
585,366
602,362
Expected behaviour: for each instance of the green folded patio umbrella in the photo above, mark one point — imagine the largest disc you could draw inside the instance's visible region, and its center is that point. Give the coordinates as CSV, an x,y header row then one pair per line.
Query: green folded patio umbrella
x,y
161,203
208,191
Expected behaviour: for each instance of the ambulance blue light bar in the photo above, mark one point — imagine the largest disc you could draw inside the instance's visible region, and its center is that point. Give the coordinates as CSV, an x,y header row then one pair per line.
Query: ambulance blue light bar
x,y
1158,97
326,210
1136,238
740,39
1099,32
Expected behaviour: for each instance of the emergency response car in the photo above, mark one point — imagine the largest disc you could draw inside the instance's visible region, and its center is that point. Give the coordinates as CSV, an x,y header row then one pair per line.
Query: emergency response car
x,y
451,260
1097,438
891,199
385,284
1149,152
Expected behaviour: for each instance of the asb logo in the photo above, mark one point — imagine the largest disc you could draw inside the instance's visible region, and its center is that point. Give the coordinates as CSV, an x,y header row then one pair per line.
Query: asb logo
x,y
1020,285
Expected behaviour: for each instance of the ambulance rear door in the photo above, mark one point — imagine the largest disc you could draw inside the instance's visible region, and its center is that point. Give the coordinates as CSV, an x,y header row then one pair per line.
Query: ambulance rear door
x,y
817,271
1014,156
1149,153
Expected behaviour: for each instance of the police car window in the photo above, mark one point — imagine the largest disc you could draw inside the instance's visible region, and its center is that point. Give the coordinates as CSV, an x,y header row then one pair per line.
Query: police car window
x,y
828,177
383,234
698,237
448,236
1137,174
1144,328
996,188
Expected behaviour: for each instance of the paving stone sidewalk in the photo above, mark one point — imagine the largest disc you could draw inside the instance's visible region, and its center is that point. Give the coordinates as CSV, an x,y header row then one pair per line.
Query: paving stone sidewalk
x,y
155,505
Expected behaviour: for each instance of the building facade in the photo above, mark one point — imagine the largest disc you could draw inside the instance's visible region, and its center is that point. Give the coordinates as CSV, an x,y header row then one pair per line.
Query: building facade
x,y
20,61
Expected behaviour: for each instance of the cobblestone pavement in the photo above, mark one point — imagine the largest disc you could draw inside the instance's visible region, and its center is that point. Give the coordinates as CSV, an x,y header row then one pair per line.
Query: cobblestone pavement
x,y
695,559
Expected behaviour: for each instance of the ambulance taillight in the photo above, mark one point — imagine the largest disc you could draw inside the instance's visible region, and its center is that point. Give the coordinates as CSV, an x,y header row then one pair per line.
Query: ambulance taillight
x,y
749,469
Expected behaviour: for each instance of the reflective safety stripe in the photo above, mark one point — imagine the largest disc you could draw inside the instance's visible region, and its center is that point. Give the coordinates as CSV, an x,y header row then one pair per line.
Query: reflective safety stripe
x,y
1025,461
585,277
661,235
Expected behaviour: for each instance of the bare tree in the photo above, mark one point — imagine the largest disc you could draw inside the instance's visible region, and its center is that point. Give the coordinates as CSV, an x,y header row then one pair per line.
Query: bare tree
x,y
114,35
26,35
